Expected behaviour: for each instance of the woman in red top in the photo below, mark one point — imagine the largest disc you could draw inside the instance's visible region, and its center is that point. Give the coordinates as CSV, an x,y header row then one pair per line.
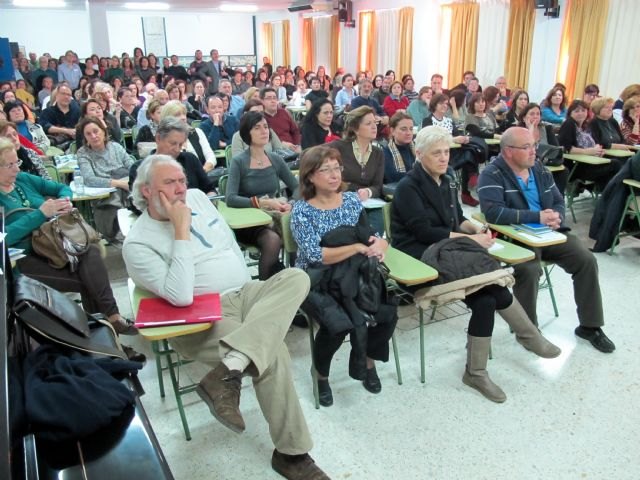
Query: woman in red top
x,y
395,101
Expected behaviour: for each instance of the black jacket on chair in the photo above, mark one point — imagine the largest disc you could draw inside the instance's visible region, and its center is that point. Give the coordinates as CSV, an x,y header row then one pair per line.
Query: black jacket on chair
x,y
340,298
604,223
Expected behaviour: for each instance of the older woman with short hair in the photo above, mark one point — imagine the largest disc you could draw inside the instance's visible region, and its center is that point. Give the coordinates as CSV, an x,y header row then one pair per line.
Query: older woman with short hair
x,y
45,199
604,128
424,213
630,126
325,208
197,142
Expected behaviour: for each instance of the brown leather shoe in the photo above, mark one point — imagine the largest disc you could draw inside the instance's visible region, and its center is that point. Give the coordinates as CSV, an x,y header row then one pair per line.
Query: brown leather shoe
x,y
220,390
297,467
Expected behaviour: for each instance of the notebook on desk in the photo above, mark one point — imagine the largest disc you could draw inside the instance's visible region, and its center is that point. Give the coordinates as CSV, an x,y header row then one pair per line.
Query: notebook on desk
x,y
535,228
157,312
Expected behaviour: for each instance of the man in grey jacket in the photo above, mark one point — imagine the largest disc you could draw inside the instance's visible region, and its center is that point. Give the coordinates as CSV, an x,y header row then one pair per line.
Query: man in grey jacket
x,y
514,189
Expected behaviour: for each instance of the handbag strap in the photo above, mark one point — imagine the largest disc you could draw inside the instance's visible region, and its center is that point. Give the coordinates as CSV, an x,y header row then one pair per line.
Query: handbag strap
x,y
80,221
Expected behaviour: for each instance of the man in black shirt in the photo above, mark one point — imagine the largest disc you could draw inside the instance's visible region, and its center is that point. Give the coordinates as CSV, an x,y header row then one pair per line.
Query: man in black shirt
x,y
176,70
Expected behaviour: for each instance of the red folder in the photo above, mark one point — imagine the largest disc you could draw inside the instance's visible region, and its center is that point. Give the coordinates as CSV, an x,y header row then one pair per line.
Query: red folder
x,y
157,312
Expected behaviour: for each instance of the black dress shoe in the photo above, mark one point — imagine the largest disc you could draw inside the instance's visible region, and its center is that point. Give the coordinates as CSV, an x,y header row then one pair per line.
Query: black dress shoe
x,y
371,381
133,355
324,393
597,338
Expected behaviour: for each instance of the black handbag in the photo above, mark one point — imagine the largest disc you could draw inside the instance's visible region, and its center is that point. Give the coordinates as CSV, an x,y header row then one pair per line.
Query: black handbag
x,y
550,155
51,316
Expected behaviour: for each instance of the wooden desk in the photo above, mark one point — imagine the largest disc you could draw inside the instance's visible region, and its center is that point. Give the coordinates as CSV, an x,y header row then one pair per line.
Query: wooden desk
x,y
492,141
553,169
220,153
618,153
238,218
519,236
406,270
455,145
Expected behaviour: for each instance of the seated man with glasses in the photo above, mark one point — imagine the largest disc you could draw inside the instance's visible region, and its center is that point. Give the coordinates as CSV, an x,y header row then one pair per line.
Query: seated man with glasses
x,y
515,189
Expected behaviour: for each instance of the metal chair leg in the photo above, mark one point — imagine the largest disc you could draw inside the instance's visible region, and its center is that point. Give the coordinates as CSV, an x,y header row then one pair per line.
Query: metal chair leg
x,y
155,346
396,357
550,287
176,389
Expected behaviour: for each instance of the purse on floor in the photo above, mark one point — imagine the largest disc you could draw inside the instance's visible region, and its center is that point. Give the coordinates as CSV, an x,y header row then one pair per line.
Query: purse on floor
x,y
51,316
63,238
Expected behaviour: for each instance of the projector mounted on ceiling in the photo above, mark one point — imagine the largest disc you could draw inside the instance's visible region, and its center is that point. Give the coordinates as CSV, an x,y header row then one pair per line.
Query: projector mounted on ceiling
x,y
299,7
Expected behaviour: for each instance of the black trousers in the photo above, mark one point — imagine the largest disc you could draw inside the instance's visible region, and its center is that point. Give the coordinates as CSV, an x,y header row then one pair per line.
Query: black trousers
x,y
326,345
483,305
90,279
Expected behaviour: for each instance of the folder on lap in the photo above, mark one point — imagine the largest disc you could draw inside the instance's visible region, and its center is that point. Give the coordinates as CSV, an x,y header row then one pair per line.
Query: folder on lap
x,y
157,312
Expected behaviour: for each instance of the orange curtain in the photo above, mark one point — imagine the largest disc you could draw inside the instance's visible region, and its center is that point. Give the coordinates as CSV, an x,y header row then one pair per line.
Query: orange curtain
x,y
307,44
286,44
464,39
522,19
334,52
366,40
581,44
267,41
405,44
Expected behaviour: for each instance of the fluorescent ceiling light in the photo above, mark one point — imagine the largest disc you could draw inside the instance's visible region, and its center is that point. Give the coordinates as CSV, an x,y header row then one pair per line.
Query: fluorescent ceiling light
x,y
146,6
238,7
40,3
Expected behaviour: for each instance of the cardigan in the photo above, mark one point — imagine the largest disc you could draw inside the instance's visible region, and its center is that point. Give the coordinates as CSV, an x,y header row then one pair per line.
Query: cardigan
x,y
606,132
36,190
356,177
422,212
418,110
245,182
97,166
391,105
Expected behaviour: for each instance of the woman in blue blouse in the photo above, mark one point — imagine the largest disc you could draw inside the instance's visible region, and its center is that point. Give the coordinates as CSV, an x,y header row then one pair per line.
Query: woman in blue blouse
x,y
554,109
46,199
324,208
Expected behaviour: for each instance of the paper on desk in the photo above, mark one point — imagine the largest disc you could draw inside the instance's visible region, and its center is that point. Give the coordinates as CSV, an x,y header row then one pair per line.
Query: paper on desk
x,y
373,203
2,235
495,247
543,237
92,191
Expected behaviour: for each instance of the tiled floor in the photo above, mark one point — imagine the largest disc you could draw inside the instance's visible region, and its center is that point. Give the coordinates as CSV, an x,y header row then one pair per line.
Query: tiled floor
x,y
573,417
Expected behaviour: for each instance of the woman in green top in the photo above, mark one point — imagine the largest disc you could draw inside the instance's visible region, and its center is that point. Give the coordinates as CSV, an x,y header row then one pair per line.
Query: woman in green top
x,y
45,199
115,70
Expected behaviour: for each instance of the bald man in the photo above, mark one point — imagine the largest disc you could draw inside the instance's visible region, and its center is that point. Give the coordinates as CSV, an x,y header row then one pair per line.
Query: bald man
x,y
515,188
154,94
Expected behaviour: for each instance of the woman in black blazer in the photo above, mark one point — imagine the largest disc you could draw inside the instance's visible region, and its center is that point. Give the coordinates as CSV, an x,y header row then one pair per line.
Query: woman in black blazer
x,y
604,128
425,212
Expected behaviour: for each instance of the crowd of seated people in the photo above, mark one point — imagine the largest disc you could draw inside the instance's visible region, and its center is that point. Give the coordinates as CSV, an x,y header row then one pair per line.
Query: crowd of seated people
x,y
356,135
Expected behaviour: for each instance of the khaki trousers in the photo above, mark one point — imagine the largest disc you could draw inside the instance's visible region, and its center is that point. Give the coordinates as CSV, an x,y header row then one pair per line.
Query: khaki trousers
x,y
255,320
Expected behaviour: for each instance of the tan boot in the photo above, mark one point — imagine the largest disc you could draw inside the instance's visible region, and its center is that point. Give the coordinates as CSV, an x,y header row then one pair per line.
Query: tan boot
x,y
220,390
475,374
527,334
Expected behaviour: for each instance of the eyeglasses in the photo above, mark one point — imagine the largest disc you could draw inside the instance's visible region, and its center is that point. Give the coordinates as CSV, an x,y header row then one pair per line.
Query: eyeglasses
x,y
9,166
523,147
328,170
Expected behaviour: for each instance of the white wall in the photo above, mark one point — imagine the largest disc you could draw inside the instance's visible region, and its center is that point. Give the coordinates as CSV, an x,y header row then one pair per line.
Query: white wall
x,y
544,54
33,29
231,34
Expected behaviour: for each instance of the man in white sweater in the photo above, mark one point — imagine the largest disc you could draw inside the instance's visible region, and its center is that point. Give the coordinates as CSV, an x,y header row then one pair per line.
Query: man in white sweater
x,y
181,247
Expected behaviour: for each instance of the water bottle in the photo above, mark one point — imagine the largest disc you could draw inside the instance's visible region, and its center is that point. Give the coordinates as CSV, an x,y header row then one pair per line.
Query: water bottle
x,y
78,181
